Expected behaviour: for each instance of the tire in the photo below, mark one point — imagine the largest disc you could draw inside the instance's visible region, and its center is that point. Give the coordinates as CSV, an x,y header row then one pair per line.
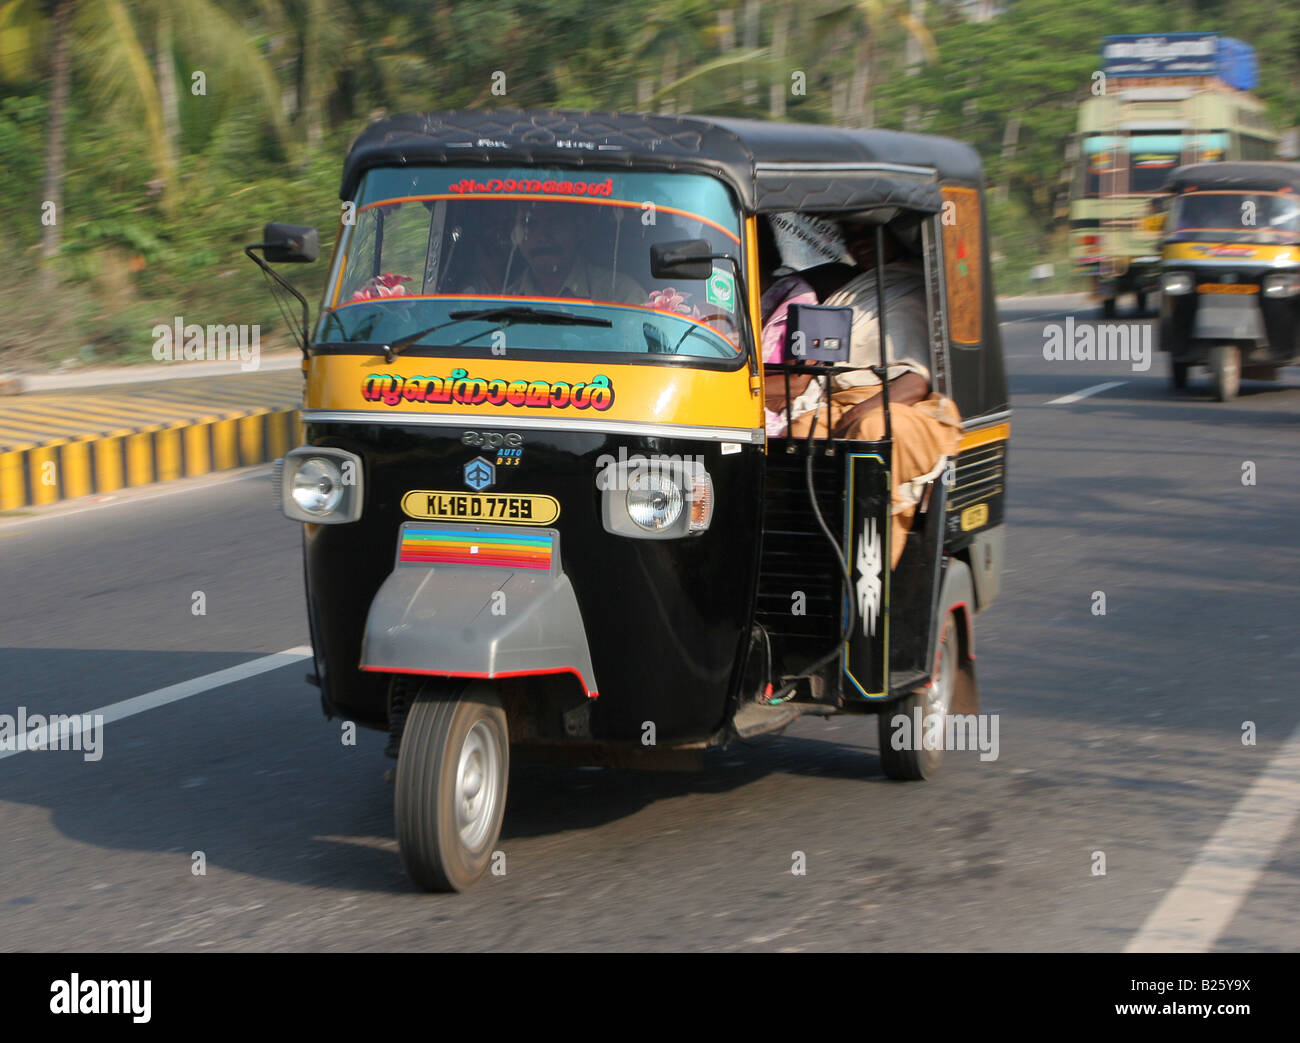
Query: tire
x,y
1225,371
1178,375
450,784
1108,307
1141,308
935,698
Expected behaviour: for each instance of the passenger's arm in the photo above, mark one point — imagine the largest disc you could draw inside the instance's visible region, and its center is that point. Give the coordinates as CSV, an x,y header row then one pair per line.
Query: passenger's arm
x,y
906,390
774,389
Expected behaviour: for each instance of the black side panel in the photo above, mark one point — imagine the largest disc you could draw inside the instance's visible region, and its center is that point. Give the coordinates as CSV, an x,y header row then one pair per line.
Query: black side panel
x,y
800,588
801,598
916,588
1282,327
1177,315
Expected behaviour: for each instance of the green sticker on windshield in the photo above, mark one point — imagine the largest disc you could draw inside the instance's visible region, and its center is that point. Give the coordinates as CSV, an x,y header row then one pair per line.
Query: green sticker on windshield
x,y
721,289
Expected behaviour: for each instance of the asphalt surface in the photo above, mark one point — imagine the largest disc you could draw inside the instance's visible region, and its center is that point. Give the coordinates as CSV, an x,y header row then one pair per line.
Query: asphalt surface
x,y
1119,733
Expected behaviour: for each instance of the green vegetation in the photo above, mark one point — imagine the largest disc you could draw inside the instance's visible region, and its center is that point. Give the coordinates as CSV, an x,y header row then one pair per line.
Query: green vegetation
x,y
168,131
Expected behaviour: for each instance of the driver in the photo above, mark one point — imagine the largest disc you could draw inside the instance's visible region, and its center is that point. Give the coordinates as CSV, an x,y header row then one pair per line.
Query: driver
x,y
548,237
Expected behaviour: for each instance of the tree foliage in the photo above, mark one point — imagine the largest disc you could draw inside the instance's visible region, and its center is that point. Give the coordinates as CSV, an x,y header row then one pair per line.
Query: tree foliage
x,y
163,185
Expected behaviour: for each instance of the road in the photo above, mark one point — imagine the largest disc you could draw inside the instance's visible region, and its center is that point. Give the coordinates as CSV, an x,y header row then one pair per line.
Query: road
x,y
1119,733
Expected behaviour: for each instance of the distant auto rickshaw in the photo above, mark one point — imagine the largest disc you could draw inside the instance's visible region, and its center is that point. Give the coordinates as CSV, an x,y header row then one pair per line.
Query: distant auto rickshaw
x,y
542,513
1230,279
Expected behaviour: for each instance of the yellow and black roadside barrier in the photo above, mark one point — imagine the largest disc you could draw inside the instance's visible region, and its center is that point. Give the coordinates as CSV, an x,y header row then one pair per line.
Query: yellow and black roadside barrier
x,y
58,446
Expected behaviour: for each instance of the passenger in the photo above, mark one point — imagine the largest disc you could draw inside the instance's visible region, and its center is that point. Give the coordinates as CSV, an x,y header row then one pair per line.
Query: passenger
x,y
926,426
778,295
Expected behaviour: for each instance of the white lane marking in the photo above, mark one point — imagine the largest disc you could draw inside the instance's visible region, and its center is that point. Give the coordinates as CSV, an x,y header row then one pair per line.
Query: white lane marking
x,y
1200,907
1096,389
176,692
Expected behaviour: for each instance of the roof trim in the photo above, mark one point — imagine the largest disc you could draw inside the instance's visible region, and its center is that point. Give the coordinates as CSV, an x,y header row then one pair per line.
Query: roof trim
x,y
760,161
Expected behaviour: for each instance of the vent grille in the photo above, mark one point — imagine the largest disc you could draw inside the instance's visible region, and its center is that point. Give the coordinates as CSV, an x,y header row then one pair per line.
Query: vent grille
x,y
980,474
796,557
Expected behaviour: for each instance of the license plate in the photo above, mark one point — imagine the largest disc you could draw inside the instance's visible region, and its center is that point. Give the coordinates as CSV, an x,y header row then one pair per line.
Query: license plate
x,y
1227,287
437,505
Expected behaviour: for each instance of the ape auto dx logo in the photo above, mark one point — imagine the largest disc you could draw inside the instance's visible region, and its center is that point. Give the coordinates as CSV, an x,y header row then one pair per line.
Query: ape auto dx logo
x,y
493,439
510,451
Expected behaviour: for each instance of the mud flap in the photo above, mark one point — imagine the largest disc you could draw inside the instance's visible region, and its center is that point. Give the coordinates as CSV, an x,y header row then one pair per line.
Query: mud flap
x,y
477,601
1233,317
957,590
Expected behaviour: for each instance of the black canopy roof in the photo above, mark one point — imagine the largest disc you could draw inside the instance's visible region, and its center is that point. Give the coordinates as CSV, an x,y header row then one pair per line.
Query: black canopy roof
x,y
771,166
1263,175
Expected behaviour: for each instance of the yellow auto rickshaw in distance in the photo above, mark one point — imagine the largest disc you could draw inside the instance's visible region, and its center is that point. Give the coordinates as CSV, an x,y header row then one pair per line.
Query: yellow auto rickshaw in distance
x,y
1230,278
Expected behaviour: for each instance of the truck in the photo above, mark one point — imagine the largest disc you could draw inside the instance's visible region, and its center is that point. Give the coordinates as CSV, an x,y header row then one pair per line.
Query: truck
x,y
1157,102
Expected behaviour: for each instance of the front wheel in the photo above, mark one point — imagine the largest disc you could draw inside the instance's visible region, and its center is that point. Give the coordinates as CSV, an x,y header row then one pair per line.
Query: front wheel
x,y
1178,375
450,784
1225,371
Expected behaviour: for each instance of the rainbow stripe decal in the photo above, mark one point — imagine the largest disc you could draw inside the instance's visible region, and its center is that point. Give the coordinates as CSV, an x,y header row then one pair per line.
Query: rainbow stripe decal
x,y
424,545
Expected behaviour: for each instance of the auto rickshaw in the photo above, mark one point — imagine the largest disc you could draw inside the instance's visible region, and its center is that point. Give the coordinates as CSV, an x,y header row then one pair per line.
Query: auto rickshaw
x,y
1230,279
542,515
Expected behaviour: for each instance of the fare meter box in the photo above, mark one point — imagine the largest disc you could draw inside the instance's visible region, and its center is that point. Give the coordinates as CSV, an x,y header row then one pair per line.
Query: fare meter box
x,y
818,333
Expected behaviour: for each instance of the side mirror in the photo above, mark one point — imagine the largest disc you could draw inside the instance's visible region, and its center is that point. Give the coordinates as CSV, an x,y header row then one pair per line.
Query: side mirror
x,y
818,333
290,243
683,259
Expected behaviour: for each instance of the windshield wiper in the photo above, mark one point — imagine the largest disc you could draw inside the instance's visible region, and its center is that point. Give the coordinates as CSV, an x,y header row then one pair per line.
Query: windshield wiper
x,y
507,315
522,313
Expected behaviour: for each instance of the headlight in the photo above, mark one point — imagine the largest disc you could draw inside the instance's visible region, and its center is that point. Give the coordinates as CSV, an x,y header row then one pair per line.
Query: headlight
x,y
320,484
654,501
655,497
317,486
1282,284
1174,284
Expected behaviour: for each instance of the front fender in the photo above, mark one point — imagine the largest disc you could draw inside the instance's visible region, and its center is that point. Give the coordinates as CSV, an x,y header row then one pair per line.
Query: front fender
x,y
482,621
1228,317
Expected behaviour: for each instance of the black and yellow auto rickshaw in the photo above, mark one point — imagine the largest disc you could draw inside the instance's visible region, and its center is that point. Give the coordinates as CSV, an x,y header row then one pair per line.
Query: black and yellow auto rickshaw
x,y
1230,279
542,511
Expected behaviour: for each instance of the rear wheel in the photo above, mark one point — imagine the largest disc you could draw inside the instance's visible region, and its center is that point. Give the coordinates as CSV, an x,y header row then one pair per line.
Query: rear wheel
x,y
1225,371
1108,307
450,784
1178,375
1141,302
935,701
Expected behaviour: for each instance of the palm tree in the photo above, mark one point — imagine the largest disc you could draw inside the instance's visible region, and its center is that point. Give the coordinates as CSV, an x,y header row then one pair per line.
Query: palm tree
x,y
24,26
110,35
868,20
60,74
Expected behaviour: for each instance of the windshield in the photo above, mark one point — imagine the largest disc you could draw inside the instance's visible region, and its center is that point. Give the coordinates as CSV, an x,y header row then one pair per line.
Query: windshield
x,y
430,244
1138,164
1235,216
